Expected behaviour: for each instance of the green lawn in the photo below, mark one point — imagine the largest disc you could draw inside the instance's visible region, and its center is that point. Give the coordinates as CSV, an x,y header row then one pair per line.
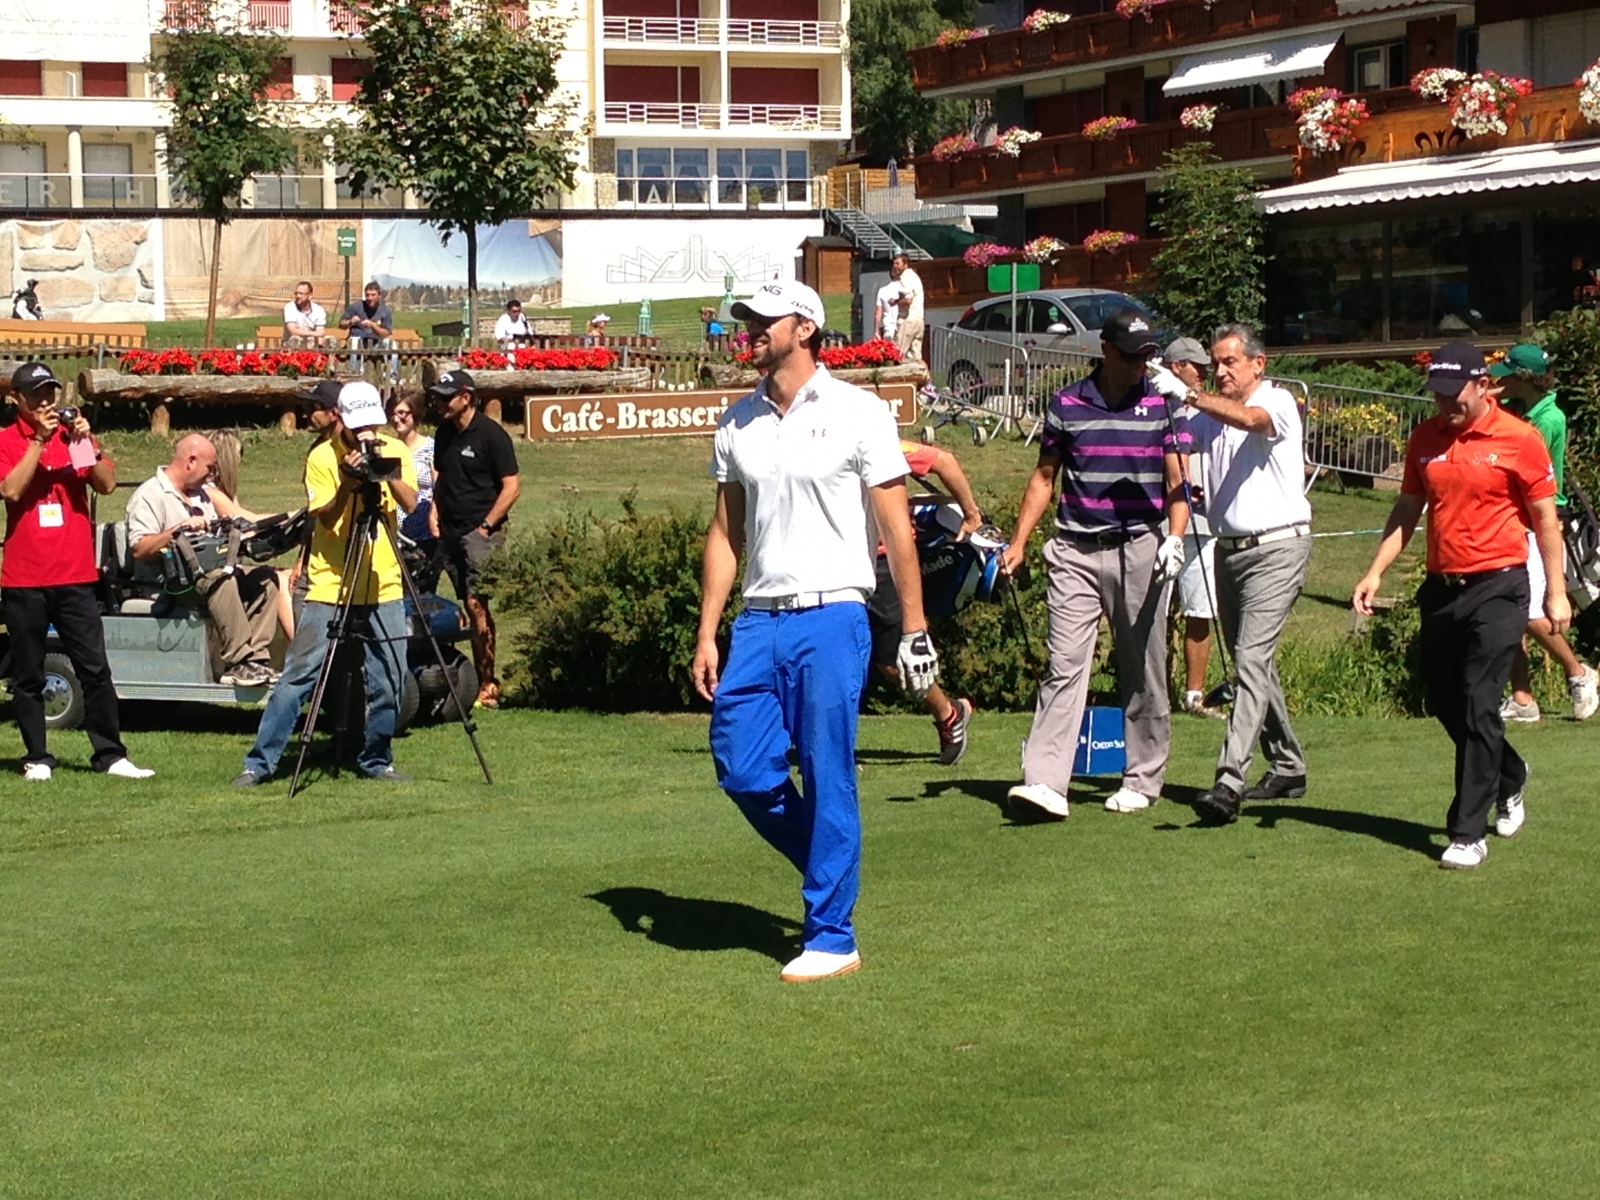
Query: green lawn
x,y
565,984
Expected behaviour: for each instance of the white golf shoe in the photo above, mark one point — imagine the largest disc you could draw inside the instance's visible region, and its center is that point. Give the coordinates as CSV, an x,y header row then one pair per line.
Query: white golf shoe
x,y
1127,800
1509,813
1463,856
123,768
814,965
1585,693
1038,799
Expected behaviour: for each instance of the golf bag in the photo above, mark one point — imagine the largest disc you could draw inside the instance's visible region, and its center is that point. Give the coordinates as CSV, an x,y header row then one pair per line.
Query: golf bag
x,y
954,574
1581,533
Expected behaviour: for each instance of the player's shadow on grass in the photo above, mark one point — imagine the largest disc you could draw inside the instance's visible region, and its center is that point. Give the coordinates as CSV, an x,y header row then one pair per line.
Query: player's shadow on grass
x,y
990,791
1397,831
682,923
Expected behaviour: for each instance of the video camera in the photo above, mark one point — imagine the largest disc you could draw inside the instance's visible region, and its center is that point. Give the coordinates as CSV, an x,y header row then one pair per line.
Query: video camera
x,y
226,541
375,466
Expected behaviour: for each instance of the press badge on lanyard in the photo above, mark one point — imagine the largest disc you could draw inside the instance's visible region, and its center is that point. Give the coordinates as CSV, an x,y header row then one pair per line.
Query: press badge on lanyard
x,y
51,516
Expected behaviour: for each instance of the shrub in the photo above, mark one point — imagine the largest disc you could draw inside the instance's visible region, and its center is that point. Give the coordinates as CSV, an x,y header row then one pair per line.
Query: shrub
x,y
1573,340
1403,379
611,609
1209,269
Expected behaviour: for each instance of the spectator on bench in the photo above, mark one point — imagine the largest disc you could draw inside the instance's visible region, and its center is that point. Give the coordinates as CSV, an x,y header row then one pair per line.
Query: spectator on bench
x,y
370,326
305,322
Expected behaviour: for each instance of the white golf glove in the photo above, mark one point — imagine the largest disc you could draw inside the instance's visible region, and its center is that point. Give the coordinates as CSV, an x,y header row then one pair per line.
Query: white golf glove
x,y
1169,385
918,663
1169,559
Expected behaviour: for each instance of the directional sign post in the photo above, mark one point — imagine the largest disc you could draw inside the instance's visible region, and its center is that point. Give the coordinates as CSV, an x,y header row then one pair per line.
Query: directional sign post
x,y
346,241
1014,278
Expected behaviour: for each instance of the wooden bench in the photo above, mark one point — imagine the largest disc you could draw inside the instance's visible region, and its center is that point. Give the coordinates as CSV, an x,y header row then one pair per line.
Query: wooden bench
x,y
69,333
270,337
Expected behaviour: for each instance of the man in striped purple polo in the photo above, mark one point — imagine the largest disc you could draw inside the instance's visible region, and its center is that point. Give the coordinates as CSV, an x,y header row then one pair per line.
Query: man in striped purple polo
x,y
1109,441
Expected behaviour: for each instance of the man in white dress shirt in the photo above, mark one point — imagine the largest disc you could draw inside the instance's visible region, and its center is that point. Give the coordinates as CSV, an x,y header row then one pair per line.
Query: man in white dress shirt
x,y
809,475
511,328
305,322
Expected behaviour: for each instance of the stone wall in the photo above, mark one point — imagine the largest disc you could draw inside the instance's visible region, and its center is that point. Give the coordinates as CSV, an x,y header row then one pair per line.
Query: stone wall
x,y
87,270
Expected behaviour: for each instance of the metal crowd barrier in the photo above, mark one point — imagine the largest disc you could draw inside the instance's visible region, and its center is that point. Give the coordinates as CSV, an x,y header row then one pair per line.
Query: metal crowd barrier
x,y
1008,381
1358,431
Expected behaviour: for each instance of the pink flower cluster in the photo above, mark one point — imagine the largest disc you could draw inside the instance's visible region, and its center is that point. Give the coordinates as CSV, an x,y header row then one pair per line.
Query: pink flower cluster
x,y
985,254
1103,241
957,37
953,147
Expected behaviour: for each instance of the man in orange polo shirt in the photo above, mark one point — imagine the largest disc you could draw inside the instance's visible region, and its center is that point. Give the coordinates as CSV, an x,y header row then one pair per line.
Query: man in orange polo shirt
x,y
1485,478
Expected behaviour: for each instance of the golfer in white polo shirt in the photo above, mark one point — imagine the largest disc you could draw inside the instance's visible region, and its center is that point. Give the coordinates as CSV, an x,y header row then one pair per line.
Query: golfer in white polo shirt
x,y
809,475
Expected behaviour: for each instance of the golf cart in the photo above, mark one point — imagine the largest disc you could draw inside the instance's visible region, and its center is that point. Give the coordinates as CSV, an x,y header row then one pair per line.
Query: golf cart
x,y
161,649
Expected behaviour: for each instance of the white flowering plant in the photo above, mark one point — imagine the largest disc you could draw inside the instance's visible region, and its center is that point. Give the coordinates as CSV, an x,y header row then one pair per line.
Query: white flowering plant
x,y
1041,19
1589,94
1200,116
1437,83
1014,139
1486,101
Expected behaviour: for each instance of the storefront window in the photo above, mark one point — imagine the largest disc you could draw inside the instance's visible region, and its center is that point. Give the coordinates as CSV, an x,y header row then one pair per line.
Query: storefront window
x,y
1566,254
1325,284
1457,276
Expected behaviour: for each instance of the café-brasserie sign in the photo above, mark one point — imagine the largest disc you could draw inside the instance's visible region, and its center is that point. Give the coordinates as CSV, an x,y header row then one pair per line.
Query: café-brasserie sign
x,y
646,414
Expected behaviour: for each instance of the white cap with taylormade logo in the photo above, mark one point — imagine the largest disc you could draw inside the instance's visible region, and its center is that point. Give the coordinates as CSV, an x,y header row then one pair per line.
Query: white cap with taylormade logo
x,y
781,298
360,406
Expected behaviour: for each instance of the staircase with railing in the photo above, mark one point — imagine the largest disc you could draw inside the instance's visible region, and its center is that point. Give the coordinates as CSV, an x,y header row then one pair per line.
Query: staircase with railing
x,y
874,240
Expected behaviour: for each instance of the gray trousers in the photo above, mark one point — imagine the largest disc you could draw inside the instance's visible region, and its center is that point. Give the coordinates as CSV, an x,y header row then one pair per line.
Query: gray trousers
x,y
1256,588
1086,581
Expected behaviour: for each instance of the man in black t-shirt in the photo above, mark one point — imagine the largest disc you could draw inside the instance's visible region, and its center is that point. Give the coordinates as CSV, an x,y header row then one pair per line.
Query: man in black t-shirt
x,y
474,486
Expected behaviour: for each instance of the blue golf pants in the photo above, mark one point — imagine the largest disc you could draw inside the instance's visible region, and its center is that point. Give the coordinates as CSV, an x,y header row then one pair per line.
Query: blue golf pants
x,y
795,679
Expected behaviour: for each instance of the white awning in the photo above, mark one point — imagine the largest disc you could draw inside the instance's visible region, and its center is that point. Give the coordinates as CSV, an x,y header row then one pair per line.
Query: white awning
x,y
1420,179
1264,62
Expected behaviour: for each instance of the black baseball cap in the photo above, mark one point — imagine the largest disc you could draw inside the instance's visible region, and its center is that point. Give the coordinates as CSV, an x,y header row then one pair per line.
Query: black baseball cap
x,y
32,377
1453,365
451,383
1129,330
324,394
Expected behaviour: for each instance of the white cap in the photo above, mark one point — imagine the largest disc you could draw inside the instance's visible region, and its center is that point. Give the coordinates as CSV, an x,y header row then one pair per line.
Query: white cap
x,y
781,298
360,406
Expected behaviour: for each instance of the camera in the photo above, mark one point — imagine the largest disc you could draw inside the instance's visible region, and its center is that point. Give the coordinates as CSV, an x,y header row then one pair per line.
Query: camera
x,y
375,466
68,415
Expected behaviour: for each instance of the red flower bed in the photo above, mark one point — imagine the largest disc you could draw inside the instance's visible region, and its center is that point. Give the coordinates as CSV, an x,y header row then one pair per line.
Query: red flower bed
x,y
157,362
879,352
289,363
574,358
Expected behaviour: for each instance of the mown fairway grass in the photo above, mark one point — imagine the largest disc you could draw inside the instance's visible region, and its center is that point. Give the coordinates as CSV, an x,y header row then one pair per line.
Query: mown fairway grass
x,y
565,984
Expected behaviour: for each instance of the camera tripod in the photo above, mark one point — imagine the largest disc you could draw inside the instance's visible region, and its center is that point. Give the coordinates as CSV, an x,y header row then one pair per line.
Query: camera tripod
x,y
357,561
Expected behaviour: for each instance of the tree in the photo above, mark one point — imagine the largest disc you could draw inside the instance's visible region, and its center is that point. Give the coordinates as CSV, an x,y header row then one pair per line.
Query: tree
x,y
1209,272
214,73
460,106
891,120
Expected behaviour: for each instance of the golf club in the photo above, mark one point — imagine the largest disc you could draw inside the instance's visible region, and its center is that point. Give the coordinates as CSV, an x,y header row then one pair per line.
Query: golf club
x,y
1223,693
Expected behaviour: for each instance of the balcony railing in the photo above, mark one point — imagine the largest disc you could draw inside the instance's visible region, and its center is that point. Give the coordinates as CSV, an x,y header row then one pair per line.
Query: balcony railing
x,y
1073,158
1098,39
784,33
269,14
950,283
683,31
1424,131
342,18
816,118
271,193
691,31
680,116
719,192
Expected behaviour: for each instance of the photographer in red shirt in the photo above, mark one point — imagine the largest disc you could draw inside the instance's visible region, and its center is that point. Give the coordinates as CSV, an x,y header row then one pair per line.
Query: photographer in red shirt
x,y
48,573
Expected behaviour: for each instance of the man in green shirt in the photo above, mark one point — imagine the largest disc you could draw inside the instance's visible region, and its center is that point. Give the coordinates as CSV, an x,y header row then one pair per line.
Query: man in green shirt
x,y
1529,391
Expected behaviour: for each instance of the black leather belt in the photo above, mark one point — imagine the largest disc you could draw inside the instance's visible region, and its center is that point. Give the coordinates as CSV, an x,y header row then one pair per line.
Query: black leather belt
x,y
1105,537
1471,577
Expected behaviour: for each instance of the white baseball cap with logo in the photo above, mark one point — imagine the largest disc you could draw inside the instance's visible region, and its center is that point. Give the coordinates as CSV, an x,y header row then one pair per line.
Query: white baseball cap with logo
x,y
360,406
781,298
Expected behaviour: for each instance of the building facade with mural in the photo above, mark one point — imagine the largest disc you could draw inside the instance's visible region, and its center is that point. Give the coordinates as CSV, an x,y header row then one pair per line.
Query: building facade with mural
x,y
692,115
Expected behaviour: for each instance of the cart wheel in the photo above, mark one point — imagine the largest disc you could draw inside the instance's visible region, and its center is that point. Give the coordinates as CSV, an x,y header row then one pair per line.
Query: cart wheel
x,y
466,686
980,435
409,702
928,435
63,694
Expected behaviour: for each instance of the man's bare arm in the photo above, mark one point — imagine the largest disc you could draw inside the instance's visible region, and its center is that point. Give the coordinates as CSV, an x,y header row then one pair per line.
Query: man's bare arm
x,y
1397,531
893,516
720,567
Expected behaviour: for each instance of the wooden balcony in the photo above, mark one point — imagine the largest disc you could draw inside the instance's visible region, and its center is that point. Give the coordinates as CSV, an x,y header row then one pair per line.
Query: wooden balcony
x,y
1073,158
1101,39
1423,130
949,282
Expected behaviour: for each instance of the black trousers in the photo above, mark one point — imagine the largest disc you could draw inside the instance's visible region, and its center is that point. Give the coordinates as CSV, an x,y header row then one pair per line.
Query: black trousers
x,y
1469,634
74,611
